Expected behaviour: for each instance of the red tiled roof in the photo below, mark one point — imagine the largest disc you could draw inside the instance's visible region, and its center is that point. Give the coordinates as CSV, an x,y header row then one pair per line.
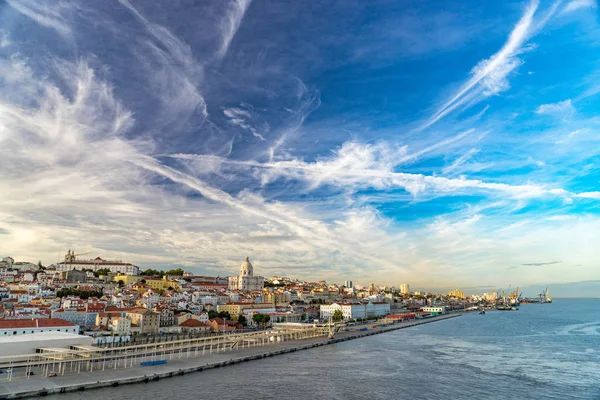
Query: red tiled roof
x,y
193,323
33,323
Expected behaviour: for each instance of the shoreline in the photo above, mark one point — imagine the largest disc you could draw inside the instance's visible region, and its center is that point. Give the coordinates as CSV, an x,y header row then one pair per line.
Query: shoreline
x,y
46,386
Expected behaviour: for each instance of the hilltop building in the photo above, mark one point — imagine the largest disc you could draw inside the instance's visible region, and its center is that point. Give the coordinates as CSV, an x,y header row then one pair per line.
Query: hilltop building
x,y
246,281
71,262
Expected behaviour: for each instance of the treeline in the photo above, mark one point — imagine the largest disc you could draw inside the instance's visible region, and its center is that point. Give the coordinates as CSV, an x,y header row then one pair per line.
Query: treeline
x,y
83,294
155,272
271,284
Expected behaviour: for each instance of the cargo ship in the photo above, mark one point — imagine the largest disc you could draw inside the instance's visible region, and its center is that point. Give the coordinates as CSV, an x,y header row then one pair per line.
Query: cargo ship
x,y
542,298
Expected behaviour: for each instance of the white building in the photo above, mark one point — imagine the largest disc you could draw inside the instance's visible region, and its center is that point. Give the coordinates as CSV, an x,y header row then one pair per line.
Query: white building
x,y
8,262
71,262
120,326
435,309
491,297
246,281
13,327
404,288
355,310
18,345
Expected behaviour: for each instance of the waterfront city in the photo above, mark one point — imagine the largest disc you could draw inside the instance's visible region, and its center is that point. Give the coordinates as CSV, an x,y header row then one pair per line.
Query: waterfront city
x,y
271,199
90,315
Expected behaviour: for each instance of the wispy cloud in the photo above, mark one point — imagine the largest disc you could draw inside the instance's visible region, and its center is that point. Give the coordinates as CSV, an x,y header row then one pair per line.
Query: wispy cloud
x,y
4,40
489,77
541,264
360,166
240,117
194,130
44,14
231,24
575,5
561,109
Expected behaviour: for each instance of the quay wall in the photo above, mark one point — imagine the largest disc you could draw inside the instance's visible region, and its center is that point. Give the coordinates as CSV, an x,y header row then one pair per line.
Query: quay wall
x,y
87,384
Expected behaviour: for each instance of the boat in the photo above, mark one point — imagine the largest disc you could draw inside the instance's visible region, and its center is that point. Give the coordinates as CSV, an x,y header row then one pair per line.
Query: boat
x,y
542,298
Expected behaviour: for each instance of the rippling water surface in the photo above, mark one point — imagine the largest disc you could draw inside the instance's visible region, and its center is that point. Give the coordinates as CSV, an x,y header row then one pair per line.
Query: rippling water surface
x,y
544,351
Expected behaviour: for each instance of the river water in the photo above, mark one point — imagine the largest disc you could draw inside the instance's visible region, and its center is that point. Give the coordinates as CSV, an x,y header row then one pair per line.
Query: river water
x,y
542,351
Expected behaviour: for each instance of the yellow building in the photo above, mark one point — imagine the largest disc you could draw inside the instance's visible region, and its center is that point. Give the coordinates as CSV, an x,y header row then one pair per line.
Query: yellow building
x,y
127,279
456,293
238,308
153,283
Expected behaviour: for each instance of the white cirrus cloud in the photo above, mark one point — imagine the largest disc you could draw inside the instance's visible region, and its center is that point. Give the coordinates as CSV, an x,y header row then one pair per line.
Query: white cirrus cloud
x,y
561,109
45,14
489,76
575,5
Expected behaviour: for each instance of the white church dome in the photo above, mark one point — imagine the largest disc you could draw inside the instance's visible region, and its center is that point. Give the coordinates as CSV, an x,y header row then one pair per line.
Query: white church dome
x,y
246,268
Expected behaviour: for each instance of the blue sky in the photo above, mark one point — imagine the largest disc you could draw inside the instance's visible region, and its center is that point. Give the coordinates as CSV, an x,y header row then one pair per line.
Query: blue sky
x,y
446,146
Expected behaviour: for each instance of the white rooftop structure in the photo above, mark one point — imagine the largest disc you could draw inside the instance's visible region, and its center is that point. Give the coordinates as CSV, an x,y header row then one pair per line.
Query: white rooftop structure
x,y
27,344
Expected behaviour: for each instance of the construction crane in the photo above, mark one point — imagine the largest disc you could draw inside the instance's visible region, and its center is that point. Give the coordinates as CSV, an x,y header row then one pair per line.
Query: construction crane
x,y
70,257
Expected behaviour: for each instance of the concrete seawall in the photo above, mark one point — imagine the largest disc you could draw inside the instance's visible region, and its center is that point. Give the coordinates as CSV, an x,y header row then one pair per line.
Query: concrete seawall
x,y
45,386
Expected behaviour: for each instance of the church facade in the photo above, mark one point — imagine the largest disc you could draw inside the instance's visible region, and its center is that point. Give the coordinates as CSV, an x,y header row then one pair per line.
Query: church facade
x,y
246,281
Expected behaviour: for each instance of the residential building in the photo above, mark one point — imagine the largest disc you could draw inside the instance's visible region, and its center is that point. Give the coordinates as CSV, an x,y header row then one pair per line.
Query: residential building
x,y
194,326
120,326
404,288
127,279
222,325
167,316
147,321
456,293
491,297
245,308
81,318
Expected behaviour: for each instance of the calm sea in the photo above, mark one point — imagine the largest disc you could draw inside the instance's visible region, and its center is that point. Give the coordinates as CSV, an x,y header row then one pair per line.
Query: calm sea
x,y
544,351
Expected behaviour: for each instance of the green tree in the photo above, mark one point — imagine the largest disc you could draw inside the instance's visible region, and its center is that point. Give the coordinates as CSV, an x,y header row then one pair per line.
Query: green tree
x,y
150,272
120,283
177,272
102,271
303,318
224,315
213,314
261,319
143,281
338,315
242,320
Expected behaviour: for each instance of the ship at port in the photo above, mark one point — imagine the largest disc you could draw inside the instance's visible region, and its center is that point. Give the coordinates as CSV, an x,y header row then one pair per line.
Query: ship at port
x,y
510,302
541,298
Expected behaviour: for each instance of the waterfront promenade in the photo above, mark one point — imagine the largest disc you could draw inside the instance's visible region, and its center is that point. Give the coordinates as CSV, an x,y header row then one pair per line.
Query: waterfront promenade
x,y
20,386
